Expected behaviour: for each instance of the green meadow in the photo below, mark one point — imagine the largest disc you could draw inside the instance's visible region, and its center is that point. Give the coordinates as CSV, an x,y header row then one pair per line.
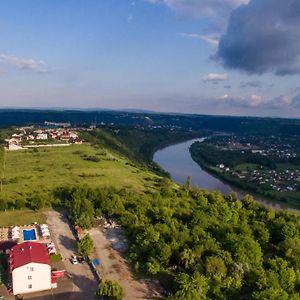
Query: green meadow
x,y
44,169
21,217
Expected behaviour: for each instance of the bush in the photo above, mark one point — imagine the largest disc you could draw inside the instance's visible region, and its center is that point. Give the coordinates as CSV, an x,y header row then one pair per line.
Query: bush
x,y
55,258
110,290
92,158
85,245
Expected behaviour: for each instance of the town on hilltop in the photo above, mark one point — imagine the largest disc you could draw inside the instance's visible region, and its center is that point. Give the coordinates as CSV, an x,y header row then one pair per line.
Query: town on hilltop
x,y
51,134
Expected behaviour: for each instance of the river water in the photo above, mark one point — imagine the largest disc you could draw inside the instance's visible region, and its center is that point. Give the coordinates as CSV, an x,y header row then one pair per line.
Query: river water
x,y
177,161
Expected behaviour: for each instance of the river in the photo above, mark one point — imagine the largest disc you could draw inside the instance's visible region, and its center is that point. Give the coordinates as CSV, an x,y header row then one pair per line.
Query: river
x,y
177,161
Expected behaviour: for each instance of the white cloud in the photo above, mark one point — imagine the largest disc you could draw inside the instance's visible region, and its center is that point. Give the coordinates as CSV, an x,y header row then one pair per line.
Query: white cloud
x,y
226,96
250,101
22,63
200,8
210,39
215,77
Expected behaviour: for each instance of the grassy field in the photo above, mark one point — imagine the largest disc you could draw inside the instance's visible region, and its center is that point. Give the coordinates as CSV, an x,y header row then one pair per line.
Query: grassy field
x,y
21,217
47,168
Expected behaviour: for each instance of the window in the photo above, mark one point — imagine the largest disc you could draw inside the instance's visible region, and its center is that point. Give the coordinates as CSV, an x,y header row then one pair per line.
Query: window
x,y
30,286
31,269
29,277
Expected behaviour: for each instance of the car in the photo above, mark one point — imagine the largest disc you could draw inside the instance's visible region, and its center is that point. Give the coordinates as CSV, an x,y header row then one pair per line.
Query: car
x,y
74,260
80,259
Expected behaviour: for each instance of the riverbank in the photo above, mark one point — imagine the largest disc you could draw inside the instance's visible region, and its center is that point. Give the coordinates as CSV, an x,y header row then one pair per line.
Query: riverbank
x,y
290,200
177,161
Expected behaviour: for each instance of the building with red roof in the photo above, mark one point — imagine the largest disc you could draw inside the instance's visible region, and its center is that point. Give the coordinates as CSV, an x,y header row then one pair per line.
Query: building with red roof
x,y
30,268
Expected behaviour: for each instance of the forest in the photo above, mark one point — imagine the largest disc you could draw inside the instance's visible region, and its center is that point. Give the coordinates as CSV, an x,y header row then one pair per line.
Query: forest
x,y
245,125
200,245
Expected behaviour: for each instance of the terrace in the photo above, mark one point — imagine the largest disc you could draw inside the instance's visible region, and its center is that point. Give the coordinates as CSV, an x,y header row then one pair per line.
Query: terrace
x,y
35,232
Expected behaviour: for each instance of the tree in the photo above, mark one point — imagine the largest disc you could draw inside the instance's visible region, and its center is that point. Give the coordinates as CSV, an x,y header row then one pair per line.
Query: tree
x,y
82,212
192,287
215,267
271,293
188,258
85,245
187,185
153,266
110,290
37,202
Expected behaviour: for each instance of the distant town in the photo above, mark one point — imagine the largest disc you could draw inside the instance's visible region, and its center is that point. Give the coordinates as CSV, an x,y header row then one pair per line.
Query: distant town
x,y
274,177
268,165
51,134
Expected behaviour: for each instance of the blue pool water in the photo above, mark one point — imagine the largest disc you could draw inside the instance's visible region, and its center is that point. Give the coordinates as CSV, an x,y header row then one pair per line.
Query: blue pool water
x,y
29,235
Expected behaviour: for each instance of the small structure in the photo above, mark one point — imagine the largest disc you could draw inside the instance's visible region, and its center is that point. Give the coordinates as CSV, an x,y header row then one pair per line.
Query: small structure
x,y
30,268
42,136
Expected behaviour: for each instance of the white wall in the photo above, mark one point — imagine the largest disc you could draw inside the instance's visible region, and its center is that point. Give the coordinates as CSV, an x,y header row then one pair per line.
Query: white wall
x,y
40,278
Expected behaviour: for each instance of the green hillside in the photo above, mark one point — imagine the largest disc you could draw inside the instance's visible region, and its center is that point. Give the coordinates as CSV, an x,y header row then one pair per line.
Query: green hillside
x,y
45,169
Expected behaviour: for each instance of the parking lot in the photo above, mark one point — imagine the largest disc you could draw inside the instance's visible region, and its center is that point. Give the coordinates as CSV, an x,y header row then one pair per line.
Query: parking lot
x,y
84,284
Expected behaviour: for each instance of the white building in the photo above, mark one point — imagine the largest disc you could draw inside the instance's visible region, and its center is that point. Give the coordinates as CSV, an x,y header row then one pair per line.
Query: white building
x,y
30,268
42,136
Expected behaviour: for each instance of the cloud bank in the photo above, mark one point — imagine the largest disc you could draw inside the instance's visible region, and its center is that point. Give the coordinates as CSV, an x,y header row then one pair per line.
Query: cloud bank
x,y
256,101
263,36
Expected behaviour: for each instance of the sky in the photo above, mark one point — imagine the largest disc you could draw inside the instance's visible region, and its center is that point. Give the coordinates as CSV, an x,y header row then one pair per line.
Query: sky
x,y
228,57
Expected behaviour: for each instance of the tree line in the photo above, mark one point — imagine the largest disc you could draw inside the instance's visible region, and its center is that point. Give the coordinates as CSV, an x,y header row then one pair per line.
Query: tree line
x,y
200,245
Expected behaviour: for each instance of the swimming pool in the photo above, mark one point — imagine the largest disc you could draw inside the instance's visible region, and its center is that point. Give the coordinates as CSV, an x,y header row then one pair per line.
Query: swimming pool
x,y
29,235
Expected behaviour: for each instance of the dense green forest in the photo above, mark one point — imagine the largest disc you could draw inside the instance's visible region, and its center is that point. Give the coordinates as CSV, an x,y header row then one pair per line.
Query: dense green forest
x,y
200,245
250,125
137,144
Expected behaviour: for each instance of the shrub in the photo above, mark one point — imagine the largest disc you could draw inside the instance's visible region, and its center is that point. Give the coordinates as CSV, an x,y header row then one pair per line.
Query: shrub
x,y
110,290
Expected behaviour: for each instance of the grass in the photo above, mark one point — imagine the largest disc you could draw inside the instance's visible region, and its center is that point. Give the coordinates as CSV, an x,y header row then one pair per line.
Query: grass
x,y
55,258
29,171
21,217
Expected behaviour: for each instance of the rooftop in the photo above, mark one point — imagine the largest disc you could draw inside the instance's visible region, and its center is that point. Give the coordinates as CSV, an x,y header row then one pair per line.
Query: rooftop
x,y
28,252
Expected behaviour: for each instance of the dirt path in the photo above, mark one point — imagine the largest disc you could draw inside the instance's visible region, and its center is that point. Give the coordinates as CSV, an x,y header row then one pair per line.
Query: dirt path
x,y
114,267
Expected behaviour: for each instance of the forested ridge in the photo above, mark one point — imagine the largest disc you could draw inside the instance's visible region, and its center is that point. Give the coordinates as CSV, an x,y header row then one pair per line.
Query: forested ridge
x,y
200,245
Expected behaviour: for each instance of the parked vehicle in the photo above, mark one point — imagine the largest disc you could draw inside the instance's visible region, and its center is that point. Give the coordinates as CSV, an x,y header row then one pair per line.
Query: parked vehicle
x,y
74,260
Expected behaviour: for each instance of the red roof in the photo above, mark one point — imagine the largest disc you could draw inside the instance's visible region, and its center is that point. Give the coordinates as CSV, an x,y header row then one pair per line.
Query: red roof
x,y
28,252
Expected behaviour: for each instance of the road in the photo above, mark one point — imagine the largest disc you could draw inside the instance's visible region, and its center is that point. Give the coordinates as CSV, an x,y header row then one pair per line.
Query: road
x,y
84,283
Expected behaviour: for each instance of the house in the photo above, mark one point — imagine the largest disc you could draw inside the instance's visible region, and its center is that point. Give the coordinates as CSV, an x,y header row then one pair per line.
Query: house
x,y
77,141
73,135
42,136
65,137
30,137
30,268
14,146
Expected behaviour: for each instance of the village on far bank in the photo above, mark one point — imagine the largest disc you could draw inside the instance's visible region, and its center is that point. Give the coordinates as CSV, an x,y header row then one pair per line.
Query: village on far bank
x,y
50,134
269,163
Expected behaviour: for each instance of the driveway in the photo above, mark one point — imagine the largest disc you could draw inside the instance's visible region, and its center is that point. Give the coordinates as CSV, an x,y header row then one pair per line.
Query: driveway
x,y
84,283
114,267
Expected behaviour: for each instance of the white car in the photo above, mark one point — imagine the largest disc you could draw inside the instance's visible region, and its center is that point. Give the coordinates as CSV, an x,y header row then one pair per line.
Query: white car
x,y
74,260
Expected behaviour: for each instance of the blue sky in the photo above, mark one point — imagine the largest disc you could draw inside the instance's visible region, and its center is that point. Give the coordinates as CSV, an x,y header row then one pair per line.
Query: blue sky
x,y
236,57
